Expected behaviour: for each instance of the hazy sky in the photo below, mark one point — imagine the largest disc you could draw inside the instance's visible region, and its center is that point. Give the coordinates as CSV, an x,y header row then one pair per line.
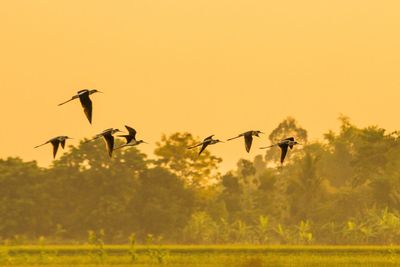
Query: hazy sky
x,y
208,67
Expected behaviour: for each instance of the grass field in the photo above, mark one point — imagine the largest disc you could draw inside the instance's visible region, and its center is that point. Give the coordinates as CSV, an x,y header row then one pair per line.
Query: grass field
x,y
201,256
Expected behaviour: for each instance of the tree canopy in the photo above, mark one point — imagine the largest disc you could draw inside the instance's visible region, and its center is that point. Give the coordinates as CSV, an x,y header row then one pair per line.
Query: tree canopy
x,y
342,189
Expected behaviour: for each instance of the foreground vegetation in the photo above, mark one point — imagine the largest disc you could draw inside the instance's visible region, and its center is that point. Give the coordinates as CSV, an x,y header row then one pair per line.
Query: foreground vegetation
x,y
341,190
240,256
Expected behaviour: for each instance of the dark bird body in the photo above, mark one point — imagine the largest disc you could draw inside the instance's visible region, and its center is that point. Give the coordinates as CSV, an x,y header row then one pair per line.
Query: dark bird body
x,y
84,98
108,138
248,138
284,145
130,138
56,141
206,142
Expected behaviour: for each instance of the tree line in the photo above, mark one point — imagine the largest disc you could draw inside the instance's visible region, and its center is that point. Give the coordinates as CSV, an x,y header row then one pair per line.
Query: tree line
x,y
342,189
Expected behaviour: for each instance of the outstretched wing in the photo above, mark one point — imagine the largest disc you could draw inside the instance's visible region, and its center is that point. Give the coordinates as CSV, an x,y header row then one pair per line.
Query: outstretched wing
x,y
205,144
131,131
208,138
131,136
109,143
106,131
62,143
128,138
55,143
87,105
289,139
284,149
248,140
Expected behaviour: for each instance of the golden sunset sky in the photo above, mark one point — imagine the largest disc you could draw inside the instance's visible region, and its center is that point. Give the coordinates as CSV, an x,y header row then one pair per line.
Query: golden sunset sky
x,y
208,67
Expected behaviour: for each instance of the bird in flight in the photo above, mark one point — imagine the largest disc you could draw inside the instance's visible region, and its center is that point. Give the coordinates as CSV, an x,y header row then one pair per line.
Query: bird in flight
x,y
248,138
205,143
108,138
56,141
284,145
84,97
130,138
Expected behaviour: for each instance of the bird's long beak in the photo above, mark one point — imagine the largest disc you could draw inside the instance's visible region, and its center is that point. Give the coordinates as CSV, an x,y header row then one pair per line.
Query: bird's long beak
x,y
262,133
100,92
145,142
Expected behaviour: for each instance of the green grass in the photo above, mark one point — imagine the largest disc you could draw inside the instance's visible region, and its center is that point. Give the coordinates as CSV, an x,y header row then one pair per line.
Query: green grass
x,y
201,256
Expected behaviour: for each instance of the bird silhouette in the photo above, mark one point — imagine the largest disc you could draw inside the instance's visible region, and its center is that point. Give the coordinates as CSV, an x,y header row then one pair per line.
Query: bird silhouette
x,y
84,98
108,138
56,141
284,145
130,138
207,141
248,138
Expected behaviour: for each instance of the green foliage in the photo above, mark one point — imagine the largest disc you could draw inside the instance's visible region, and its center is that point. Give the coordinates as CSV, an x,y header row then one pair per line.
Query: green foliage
x,y
213,256
252,262
5,258
283,234
262,229
287,128
304,234
132,248
162,204
200,229
173,154
344,189
96,241
155,251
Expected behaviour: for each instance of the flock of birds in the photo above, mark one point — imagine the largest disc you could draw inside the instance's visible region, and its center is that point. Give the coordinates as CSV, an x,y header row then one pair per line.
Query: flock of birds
x,y
108,134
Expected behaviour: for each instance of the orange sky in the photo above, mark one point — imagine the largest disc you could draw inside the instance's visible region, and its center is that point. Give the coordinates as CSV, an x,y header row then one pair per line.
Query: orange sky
x,y
208,67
